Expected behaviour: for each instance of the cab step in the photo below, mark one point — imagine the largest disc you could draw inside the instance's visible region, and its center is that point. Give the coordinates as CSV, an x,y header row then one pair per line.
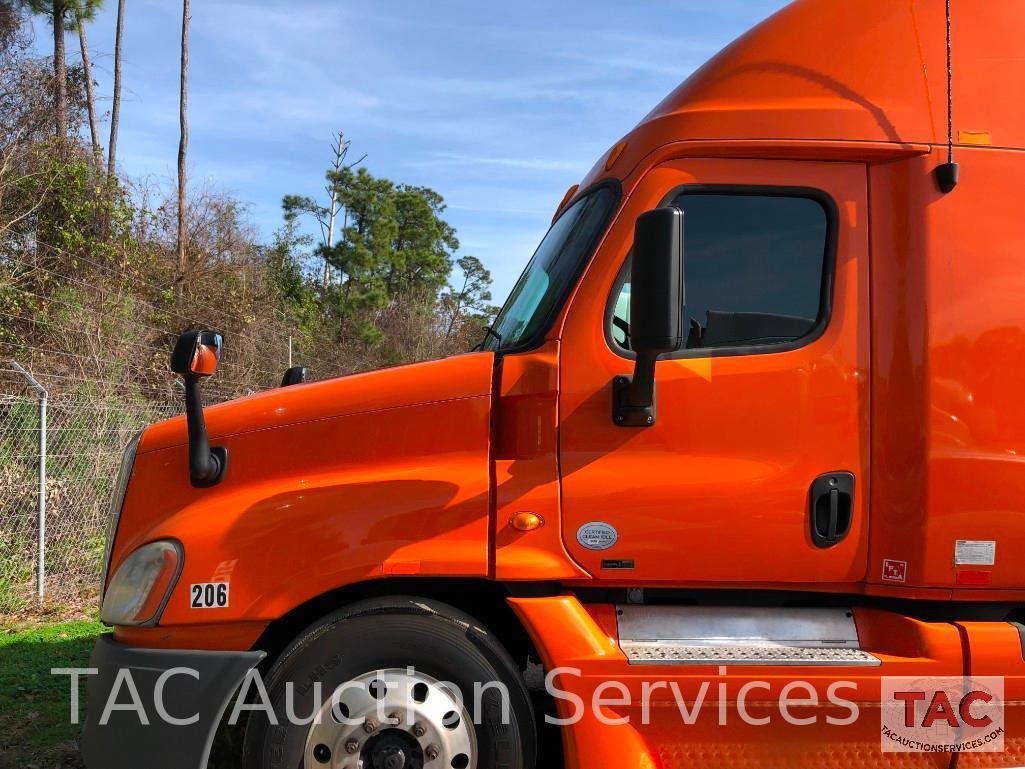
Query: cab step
x,y
691,635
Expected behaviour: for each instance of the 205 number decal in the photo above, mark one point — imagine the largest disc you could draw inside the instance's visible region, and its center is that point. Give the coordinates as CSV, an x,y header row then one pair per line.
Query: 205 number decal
x,y
210,595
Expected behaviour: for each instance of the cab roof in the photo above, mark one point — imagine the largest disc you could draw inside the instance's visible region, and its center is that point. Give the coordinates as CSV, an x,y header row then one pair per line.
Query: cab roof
x,y
852,71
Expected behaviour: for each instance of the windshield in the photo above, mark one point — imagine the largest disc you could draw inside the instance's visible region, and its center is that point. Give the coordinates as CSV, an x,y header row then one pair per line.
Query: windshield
x,y
551,270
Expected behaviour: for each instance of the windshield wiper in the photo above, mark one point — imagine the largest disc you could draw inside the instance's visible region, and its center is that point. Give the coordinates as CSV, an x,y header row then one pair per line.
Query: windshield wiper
x,y
488,331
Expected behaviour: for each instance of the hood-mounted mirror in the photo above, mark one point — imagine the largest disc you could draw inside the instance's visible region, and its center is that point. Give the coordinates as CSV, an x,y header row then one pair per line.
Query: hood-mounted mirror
x,y
196,356
295,375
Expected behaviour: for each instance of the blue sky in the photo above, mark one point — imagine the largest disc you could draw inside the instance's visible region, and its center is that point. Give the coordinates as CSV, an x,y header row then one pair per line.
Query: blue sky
x,y
497,106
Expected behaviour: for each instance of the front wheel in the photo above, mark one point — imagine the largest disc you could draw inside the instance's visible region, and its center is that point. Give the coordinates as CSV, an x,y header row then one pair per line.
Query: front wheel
x,y
399,683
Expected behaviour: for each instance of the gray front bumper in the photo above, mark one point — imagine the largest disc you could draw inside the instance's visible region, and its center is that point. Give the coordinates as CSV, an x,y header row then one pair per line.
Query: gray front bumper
x,y
124,742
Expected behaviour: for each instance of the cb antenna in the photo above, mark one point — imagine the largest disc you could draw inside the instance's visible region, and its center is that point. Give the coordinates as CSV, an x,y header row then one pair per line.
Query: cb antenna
x,y
947,174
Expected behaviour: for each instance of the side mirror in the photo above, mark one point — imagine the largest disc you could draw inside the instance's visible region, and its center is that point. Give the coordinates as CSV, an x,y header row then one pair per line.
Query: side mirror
x,y
295,375
656,311
195,356
197,353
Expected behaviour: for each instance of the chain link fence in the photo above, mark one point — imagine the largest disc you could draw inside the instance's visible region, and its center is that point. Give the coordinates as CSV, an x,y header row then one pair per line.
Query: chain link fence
x,y
84,442
93,333
94,343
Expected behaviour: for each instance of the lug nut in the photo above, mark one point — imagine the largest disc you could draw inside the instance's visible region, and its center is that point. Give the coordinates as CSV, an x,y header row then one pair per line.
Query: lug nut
x,y
395,718
432,752
419,730
351,746
369,726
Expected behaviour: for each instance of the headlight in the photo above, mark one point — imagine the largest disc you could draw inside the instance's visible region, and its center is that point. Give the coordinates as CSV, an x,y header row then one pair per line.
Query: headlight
x,y
116,503
143,583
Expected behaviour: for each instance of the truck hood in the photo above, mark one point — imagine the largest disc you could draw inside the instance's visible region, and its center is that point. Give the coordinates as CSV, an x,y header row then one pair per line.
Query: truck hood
x,y
328,483
461,376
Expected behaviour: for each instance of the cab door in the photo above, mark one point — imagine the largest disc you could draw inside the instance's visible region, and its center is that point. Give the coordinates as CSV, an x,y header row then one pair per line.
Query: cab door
x,y
762,418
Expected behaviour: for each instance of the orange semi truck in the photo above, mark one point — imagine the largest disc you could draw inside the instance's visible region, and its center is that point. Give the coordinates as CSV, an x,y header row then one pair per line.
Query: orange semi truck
x,y
751,416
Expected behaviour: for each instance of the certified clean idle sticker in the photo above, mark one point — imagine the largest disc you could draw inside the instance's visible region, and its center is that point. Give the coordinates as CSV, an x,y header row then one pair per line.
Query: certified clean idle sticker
x,y
975,552
597,535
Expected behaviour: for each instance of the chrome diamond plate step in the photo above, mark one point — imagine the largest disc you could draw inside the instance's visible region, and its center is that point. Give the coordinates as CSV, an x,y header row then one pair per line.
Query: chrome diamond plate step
x,y
723,635
647,653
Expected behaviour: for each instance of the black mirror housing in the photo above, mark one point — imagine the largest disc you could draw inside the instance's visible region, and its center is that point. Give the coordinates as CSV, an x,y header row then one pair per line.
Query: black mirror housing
x,y
195,357
197,353
656,311
656,282
295,375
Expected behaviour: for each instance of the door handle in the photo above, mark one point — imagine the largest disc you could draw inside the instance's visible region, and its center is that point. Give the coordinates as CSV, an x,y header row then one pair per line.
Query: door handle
x,y
831,508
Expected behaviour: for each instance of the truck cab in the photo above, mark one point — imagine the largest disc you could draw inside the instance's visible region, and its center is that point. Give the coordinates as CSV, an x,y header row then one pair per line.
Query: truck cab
x,y
751,415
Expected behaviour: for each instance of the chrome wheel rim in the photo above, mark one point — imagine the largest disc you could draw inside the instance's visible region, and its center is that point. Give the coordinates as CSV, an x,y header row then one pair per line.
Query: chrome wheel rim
x,y
392,719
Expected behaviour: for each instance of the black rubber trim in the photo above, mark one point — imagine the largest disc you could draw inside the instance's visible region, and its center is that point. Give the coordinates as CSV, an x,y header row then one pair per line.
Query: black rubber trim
x,y
533,589
220,455
123,742
825,291
1021,637
539,336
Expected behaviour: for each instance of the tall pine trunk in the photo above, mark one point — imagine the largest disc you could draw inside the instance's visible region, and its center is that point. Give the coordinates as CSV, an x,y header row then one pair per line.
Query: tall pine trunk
x,y
332,215
60,71
115,109
90,97
183,142
341,149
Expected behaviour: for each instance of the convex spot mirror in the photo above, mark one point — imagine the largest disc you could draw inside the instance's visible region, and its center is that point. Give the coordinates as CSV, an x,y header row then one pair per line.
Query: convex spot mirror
x,y
197,353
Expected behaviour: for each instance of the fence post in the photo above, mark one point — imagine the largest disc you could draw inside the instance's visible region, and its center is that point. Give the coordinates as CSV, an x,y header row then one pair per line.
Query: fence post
x,y
41,501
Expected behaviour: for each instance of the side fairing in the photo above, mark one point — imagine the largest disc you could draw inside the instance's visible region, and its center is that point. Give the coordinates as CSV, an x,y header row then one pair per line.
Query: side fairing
x,y
948,376
309,507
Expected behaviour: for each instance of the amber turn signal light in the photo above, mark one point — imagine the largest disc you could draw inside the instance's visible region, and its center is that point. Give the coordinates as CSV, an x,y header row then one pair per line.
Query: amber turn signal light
x,y
526,521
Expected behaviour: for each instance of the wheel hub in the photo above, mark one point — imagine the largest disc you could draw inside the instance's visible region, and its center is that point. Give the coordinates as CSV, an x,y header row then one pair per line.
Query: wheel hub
x,y
393,749
392,719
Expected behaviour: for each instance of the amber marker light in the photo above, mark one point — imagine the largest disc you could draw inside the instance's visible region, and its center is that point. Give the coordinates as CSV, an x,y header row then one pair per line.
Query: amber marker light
x,y
526,521
614,154
565,199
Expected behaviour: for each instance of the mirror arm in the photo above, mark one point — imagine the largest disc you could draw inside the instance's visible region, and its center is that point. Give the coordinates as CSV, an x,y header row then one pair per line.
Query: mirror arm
x,y
206,465
642,388
633,398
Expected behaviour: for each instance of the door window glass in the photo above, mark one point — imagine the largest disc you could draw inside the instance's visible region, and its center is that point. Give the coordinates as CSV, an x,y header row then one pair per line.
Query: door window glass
x,y
754,270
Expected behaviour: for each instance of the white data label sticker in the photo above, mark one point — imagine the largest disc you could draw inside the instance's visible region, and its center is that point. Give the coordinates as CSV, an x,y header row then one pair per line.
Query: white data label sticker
x,y
975,552
209,595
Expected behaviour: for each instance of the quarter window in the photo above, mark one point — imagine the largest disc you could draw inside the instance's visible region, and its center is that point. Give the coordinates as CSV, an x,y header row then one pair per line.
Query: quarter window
x,y
755,270
552,270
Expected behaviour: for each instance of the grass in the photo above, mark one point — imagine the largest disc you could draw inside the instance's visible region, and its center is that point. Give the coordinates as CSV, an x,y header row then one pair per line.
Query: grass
x,y
35,724
35,707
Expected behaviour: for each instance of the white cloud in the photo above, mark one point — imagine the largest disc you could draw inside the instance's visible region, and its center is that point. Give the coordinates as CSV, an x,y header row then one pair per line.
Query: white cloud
x,y
525,163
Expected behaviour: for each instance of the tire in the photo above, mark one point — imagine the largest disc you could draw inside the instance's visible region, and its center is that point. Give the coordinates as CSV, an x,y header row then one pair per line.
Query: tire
x,y
441,644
